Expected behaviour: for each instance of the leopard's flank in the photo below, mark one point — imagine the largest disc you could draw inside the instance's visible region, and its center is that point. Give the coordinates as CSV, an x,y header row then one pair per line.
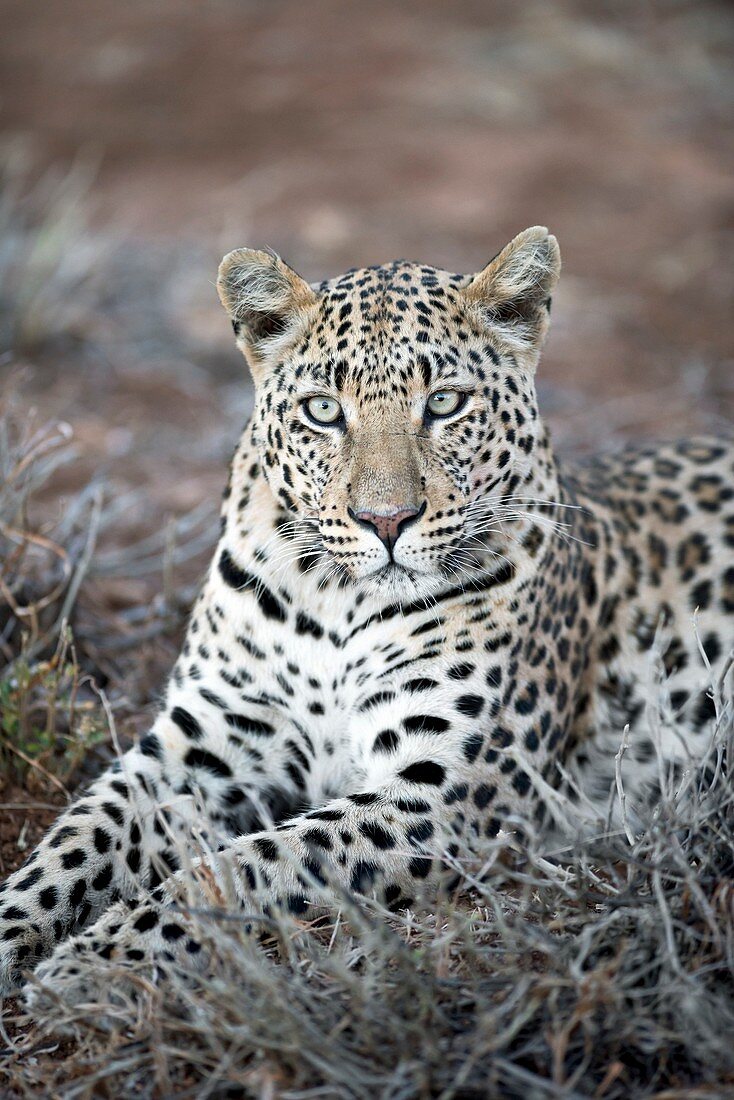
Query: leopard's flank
x,y
416,625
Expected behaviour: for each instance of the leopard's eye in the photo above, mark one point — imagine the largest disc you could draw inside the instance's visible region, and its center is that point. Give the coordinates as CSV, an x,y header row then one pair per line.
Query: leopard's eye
x,y
324,410
445,402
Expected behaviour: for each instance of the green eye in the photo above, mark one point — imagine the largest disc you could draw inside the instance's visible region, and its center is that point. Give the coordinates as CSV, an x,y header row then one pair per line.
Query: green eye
x,y
445,402
324,410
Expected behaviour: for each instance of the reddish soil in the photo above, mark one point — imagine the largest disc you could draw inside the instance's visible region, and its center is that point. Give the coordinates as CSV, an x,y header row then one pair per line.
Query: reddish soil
x,y
23,822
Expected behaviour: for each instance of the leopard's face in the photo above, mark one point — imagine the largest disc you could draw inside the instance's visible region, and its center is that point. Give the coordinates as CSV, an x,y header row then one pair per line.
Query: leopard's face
x,y
390,412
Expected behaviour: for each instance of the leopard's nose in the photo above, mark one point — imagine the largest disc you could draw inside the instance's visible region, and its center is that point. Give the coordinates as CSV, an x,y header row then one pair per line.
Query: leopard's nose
x,y
389,525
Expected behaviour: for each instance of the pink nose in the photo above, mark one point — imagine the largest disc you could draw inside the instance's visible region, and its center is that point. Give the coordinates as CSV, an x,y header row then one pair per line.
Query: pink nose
x,y
389,526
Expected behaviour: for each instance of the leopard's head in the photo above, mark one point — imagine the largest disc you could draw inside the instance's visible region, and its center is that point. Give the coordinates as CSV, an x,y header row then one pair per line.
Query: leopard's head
x,y
393,401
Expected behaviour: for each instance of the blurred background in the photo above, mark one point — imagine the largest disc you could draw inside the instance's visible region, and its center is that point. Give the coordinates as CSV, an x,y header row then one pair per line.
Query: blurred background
x,y
142,140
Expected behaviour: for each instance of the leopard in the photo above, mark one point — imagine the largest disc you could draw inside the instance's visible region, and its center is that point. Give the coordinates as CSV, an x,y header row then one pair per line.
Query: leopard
x,y
418,627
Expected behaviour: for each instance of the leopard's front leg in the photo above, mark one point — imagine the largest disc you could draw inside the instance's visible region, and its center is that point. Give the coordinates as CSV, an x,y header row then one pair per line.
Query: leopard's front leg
x,y
192,782
387,841
443,777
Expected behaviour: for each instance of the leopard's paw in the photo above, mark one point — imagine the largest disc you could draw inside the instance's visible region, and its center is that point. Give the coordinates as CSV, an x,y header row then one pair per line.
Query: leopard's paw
x,y
124,955
21,946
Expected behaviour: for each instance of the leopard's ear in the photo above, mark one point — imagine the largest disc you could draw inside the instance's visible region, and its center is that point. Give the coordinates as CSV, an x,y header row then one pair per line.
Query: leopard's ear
x,y
265,300
513,292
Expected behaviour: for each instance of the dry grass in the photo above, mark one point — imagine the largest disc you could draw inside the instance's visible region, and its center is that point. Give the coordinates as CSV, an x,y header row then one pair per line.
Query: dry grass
x,y
58,639
48,256
603,970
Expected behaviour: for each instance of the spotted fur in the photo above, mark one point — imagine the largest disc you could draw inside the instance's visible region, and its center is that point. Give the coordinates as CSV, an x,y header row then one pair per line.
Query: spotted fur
x,y
347,706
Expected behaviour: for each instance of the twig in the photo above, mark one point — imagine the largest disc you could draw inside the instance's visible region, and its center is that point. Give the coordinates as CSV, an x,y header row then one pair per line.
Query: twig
x,y
619,756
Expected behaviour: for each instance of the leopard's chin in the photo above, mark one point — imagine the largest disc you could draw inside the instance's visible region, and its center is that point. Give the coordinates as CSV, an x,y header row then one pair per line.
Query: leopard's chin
x,y
398,583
